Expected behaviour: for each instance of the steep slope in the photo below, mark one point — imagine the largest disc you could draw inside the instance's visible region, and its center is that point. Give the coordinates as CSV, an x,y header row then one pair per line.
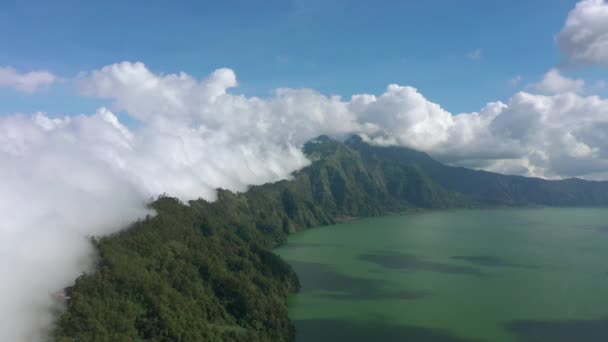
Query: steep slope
x,y
488,188
183,275
203,272
347,182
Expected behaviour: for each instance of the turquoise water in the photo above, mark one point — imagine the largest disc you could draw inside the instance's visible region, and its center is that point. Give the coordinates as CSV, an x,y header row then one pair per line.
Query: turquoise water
x,y
470,275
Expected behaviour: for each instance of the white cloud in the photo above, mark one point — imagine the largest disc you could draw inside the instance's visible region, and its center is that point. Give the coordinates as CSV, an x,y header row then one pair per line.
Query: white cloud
x,y
584,37
558,136
554,83
58,186
66,178
562,135
290,116
475,55
405,115
28,82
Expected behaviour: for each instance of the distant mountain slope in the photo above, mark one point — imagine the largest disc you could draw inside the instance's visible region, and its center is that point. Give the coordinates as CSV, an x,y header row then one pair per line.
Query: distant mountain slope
x,y
488,188
203,271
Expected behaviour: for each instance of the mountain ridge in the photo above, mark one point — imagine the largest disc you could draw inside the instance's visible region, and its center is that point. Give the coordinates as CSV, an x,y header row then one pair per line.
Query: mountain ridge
x,y
203,270
497,185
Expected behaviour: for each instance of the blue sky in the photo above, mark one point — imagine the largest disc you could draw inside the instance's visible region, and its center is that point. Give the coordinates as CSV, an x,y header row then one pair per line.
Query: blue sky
x,y
337,47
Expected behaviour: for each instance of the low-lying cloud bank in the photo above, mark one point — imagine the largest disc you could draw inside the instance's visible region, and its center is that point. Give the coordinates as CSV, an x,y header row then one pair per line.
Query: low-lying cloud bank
x,y
536,133
64,179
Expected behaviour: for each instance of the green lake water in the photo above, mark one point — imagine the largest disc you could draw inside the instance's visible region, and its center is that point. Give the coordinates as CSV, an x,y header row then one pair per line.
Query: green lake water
x,y
469,275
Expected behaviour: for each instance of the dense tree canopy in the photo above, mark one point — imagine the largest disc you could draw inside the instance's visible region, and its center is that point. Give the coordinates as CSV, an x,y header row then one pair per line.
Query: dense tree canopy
x,y
204,271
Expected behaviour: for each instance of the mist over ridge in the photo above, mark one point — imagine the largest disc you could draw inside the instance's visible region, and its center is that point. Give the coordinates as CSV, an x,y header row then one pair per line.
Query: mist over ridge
x,y
77,176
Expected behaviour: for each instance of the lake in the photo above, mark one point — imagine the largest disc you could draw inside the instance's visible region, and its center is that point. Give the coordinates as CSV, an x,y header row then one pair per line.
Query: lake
x,y
465,275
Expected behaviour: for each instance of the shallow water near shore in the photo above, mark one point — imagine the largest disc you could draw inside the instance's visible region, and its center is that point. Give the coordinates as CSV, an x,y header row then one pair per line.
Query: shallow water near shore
x,y
468,275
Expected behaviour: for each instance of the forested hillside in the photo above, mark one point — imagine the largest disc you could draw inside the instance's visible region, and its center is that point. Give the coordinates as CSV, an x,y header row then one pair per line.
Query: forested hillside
x,y
488,188
204,271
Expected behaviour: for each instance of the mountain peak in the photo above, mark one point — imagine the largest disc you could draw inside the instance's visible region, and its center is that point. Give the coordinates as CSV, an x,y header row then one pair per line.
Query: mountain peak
x,y
321,139
354,140
321,145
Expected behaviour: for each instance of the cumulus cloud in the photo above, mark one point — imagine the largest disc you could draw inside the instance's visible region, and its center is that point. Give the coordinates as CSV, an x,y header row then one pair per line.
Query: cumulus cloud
x,y
561,135
404,115
28,82
554,82
584,37
64,179
529,129
166,101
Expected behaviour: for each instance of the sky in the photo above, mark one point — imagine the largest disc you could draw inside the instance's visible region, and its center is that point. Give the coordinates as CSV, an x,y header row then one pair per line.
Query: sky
x,y
105,105
460,54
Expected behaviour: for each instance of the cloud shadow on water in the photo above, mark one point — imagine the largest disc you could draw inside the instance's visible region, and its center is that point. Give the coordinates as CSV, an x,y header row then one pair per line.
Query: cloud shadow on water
x,y
320,278
308,245
413,263
327,330
560,331
491,261
602,229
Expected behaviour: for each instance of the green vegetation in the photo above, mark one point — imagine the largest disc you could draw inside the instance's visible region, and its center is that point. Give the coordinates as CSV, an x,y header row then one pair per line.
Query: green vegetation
x,y
183,275
487,188
204,272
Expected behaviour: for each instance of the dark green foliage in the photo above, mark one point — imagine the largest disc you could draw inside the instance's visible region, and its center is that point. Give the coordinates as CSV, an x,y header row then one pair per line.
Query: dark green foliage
x,y
183,275
204,272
